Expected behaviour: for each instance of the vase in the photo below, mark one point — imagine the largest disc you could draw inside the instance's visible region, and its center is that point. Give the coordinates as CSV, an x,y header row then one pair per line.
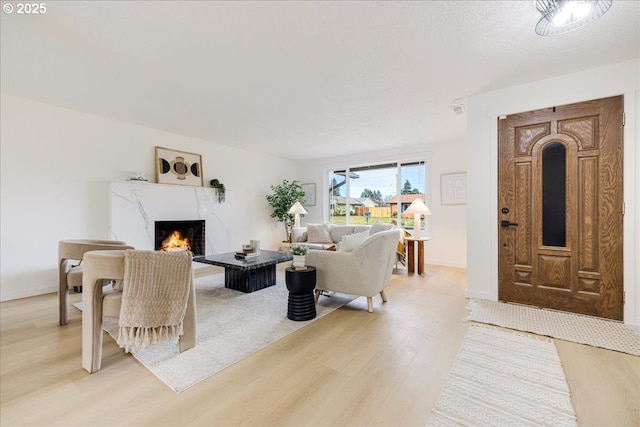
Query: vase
x,y
298,260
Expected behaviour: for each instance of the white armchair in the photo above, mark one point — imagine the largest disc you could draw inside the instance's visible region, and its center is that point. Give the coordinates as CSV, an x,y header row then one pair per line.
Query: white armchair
x,y
366,271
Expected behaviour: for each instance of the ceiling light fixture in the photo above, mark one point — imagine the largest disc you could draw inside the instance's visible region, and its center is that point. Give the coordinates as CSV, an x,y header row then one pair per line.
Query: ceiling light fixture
x,y
562,16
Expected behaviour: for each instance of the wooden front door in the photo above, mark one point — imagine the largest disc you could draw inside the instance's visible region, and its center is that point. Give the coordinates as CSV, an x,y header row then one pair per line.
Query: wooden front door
x,y
560,208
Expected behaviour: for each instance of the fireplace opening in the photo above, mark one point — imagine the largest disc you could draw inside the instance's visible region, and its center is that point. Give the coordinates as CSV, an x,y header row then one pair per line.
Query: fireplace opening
x,y
180,236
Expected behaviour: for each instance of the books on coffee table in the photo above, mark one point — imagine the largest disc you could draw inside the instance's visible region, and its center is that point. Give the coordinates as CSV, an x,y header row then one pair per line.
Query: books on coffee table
x,y
246,256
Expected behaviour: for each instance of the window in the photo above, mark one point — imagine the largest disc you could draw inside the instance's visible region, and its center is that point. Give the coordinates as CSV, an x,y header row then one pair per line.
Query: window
x,y
366,194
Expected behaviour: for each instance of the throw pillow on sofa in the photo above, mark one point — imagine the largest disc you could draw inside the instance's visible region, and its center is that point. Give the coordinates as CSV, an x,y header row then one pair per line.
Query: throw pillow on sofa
x,y
337,232
352,241
318,233
299,235
379,226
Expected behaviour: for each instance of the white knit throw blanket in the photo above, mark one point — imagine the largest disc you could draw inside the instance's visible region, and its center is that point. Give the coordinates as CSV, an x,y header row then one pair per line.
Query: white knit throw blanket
x,y
154,297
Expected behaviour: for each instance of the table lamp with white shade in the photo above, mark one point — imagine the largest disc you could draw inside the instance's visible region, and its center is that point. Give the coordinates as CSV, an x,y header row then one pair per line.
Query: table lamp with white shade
x,y
417,208
297,209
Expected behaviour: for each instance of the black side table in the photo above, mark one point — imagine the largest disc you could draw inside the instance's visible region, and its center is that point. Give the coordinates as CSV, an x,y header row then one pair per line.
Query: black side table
x,y
300,283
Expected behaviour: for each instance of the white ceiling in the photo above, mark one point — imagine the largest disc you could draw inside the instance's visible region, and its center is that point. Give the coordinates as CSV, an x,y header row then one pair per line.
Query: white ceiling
x,y
301,79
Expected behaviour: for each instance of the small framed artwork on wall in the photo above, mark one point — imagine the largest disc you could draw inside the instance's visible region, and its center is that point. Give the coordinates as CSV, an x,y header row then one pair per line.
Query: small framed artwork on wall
x,y
453,189
309,194
178,167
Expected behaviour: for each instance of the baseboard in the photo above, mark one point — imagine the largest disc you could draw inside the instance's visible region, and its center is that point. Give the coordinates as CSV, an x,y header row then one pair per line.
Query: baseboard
x,y
25,293
445,263
478,295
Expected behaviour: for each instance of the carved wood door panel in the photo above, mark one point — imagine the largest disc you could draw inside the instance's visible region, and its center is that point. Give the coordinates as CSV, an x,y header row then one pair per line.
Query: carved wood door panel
x,y
560,208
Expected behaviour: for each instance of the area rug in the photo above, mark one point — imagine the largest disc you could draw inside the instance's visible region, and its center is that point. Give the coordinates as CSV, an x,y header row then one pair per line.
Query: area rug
x,y
504,378
577,328
231,325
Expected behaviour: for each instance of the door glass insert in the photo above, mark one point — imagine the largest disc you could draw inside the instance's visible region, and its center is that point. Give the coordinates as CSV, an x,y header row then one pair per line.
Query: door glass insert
x,y
554,195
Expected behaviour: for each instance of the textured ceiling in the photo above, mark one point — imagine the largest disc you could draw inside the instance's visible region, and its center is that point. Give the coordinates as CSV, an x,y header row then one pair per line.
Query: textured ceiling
x,y
299,80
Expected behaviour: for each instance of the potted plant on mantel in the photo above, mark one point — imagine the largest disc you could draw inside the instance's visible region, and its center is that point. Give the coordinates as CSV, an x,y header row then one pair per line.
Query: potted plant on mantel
x,y
220,188
299,254
283,197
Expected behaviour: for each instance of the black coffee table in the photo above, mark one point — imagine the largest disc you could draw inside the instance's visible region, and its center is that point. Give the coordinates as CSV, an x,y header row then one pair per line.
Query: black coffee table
x,y
247,276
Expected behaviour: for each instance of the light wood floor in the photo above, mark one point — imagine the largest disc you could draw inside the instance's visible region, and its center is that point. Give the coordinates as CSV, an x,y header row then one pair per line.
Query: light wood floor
x,y
347,368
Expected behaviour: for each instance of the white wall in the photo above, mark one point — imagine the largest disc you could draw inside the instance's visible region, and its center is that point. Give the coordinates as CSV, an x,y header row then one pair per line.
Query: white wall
x,y
448,223
55,168
482,143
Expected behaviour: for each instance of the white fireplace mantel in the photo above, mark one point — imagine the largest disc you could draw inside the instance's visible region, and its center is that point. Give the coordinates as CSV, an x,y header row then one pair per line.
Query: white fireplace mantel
x,y
134,206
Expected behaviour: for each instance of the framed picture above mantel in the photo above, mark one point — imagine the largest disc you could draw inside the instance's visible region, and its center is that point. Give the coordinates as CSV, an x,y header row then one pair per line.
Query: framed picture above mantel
x,y
178,167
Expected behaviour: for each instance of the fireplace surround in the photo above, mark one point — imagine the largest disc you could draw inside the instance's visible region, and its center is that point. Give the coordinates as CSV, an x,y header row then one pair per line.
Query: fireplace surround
x,y
134,208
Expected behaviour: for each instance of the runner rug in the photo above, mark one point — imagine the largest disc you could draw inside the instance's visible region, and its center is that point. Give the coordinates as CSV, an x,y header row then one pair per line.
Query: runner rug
x,y
504,378
576,328
231,325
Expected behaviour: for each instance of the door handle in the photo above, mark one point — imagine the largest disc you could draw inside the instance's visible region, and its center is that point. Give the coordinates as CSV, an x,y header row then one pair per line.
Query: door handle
x,y
505,223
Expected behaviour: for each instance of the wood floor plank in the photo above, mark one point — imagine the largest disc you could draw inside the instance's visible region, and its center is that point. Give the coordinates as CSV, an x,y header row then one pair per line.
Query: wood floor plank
x,y
349,368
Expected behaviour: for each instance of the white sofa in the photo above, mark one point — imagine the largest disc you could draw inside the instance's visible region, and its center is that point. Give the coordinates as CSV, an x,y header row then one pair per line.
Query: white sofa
x,y
299,236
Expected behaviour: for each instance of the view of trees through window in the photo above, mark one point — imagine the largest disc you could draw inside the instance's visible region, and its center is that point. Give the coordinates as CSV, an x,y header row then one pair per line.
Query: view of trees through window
x,y
364,195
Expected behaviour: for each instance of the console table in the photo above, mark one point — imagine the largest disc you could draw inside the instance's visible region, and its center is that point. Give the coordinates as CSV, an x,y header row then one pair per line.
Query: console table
x,y
411,242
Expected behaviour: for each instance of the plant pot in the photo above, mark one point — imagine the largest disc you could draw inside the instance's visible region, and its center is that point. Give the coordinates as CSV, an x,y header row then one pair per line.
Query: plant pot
x,y
298,260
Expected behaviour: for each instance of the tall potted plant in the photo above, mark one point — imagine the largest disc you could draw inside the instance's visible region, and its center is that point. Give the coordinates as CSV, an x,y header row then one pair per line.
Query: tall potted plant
x,y
283,197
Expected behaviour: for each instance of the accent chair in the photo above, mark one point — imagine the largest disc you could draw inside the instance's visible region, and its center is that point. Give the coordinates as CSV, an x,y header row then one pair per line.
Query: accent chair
x,y
365,271
161,279
70,255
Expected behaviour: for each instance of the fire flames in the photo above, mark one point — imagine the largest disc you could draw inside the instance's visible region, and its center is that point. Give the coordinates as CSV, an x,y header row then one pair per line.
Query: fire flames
x,y
175,242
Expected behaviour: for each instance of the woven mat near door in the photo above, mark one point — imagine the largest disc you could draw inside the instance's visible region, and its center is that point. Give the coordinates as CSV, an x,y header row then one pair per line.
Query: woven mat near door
x,y
593,331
